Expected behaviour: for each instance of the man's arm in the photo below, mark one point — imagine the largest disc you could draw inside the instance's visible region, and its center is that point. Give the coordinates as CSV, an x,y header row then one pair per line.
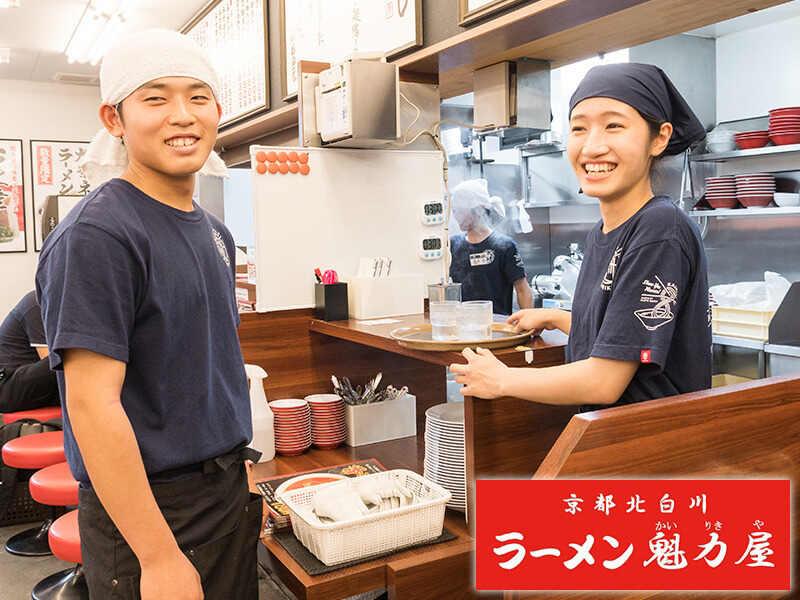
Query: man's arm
x,y
114,463
524,293
42,351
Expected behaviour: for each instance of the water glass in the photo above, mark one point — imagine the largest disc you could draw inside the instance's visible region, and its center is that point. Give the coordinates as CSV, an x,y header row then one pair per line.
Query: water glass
x,y
475,320
444,320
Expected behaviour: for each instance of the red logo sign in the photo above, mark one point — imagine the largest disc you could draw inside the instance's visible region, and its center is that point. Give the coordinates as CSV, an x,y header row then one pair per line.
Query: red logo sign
x,y
644,356
633,535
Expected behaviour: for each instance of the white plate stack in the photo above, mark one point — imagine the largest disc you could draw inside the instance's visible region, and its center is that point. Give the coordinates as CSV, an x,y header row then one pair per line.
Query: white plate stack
x,y
444,451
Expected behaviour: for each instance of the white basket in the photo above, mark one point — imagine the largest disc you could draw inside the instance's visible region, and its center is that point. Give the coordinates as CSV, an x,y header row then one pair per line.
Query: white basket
x,y
378,533
746,323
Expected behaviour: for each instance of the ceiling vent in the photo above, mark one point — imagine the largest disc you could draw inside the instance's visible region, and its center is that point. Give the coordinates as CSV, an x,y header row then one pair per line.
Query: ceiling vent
x,y
77,79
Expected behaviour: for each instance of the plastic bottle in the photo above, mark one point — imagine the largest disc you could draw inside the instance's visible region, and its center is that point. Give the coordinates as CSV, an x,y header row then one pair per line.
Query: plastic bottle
x,y
263,419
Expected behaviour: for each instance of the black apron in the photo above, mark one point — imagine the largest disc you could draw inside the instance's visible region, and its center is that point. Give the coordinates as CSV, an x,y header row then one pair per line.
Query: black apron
x,y
216,522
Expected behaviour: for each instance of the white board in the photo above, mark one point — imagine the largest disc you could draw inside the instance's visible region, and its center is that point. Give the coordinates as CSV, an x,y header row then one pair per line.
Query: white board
x,y
353,203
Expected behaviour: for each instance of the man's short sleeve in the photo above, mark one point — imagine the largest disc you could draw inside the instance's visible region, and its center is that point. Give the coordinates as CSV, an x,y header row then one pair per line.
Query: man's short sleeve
x,y
646,297
87,287
34,328
513,267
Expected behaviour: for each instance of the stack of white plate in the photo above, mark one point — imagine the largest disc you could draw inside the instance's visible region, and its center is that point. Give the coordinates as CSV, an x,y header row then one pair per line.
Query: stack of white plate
x,y
444,451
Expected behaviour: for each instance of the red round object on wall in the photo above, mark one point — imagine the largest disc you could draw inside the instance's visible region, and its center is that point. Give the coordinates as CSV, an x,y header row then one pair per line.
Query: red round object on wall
x,y
261,168
283,168
281,156
292,156
304,169
271,156
293,168
261,156
272,168
302,158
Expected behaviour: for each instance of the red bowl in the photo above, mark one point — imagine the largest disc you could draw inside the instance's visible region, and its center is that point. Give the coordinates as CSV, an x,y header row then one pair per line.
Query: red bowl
x,y
788,110
756,202
781,139
722,203
747,144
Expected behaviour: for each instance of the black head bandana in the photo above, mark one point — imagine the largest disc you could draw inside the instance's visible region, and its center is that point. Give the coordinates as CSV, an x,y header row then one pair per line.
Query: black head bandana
x,y
647,89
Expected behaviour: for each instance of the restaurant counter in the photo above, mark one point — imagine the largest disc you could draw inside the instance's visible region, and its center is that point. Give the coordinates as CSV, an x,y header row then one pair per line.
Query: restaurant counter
x,y
750,428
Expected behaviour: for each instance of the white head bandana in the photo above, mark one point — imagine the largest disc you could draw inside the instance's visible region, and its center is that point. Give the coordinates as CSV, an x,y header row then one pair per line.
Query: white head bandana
x,y
473,194
136,60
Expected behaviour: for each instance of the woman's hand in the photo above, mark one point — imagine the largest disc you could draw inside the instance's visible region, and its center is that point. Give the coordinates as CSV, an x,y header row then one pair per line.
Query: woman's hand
x,y
483,375
539,319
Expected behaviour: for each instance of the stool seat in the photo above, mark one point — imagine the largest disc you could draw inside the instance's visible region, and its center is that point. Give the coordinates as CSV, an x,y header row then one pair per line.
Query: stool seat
x,y
40,414
65,539
35,451
54,486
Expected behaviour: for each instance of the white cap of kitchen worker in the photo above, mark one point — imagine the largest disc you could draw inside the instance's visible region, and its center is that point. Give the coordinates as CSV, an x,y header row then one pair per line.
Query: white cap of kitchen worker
x,y
473,206
136,60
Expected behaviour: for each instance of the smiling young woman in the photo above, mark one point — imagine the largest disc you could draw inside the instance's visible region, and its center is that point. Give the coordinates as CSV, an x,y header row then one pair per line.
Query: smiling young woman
x,y
639,326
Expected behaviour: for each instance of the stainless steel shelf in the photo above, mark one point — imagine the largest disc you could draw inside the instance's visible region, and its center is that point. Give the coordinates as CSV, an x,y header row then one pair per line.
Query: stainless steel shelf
x,y
769,211
734,154
724,340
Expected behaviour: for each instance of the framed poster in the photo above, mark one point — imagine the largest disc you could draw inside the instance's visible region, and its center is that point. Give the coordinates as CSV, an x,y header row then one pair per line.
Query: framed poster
x,y
326,31
54,172
470,11
234,33
12,198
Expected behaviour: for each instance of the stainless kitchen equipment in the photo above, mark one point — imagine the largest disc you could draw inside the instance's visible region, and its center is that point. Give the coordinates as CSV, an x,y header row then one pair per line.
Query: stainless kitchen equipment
x,y
783,348
559,286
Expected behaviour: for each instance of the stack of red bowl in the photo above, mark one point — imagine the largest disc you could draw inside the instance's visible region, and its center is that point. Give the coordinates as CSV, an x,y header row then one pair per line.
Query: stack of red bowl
x,y
751,139
328,428
721,192
784,125
292,426
756,189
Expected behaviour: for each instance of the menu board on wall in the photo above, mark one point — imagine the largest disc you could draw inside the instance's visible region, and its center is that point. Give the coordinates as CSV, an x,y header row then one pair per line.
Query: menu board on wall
x,y
327,31
12,198
54,172
470,11
233,32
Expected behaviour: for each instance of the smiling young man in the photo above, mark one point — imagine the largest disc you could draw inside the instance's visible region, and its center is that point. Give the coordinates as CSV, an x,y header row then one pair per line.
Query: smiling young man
x,y
137,293
639,328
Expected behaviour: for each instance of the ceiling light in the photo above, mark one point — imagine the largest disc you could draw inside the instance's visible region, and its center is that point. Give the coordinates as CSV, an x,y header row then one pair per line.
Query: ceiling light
x,y
5,56
98,28
9,3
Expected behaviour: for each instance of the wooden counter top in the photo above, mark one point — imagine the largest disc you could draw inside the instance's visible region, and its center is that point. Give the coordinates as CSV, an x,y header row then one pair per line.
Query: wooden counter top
x,y
547,348
407,573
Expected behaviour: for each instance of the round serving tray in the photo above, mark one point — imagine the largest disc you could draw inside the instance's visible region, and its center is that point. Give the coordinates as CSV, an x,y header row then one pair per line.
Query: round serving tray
x,y
418,337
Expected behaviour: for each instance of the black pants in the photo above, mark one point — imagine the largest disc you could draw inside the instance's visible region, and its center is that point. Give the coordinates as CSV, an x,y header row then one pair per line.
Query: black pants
x,y
215,520
28,387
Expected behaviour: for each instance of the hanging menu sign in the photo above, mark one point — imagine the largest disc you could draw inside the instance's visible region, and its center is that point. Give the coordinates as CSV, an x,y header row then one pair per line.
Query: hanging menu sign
x,y
233,32
328,31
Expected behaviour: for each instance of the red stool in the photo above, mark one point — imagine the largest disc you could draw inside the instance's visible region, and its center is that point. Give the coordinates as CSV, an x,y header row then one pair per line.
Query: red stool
x,y
54,486
65,541
40,414
34,452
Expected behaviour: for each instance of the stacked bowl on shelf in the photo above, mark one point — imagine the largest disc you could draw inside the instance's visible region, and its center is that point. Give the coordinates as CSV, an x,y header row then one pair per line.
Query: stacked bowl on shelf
x,y
721,192
328,428
445,461
292,426
755,189
784,125
746,140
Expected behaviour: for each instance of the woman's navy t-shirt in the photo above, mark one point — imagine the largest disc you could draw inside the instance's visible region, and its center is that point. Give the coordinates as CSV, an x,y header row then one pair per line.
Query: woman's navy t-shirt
x,y
642,295
131,278
488,270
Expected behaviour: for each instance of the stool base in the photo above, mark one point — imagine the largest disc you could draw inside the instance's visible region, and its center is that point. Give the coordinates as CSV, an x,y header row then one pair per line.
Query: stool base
x,y
31,542
64,585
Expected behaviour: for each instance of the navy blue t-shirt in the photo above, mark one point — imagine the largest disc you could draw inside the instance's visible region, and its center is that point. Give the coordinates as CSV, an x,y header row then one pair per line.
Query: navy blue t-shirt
x,y
642,295
487,271
128,277
20,332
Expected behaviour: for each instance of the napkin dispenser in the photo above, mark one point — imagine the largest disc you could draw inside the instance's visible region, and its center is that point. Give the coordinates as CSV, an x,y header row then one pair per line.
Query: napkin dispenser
x,y
378,297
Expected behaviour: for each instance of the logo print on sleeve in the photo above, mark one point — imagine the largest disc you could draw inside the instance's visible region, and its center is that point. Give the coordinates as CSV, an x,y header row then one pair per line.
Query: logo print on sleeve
x,y
608,280
661,297
220,244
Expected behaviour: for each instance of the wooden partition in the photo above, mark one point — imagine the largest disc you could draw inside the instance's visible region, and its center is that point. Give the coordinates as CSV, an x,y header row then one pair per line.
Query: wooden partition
x,y
750,429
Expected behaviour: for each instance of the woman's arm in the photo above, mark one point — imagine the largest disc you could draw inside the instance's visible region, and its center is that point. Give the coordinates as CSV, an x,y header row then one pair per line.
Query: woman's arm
x,y
589,381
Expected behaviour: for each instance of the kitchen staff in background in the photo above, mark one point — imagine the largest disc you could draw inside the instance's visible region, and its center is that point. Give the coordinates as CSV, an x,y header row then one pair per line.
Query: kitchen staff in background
x,y
26,381
640,325
137,294
485,262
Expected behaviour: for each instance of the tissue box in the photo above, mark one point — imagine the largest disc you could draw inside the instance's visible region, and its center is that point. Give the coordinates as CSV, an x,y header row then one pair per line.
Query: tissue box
x,y
381,421
377,297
